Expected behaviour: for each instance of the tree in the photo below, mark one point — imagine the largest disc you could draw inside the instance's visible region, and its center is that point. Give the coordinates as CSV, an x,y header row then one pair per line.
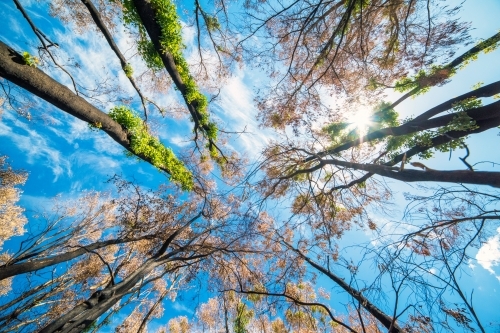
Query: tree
x,y
261,246
157,243
348,157
345,47
12,218
330,180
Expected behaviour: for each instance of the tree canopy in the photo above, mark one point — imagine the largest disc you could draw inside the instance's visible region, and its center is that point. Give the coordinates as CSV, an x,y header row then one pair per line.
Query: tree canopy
x,y
257,166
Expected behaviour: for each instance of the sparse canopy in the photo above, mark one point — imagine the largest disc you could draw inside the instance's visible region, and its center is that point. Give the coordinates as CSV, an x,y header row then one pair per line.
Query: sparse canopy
x,y
310,234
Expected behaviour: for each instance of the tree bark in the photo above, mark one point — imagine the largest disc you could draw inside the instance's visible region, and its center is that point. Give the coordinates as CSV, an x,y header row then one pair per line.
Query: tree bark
x,y
428,175
7,271
147,15
489,113
383,318
14,69
82,315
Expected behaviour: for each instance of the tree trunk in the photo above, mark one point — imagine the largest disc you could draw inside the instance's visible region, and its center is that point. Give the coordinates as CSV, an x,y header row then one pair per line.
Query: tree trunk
x,y
14,69
428,175
82,315
34,265
383,318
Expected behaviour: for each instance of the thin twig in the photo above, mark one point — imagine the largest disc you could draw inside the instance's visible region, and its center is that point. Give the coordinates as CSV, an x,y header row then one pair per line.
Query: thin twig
x,y
41,37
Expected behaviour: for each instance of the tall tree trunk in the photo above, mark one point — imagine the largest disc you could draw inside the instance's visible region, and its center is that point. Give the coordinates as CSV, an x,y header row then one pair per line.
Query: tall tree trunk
x,y
82,315
34,265
14,69
383,318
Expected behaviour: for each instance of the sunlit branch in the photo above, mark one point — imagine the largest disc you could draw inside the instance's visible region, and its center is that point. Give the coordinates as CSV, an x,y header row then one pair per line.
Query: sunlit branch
x,y
41,37
109,38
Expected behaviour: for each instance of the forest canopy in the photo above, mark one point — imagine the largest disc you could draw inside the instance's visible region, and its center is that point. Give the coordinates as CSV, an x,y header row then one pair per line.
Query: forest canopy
x,y
249,166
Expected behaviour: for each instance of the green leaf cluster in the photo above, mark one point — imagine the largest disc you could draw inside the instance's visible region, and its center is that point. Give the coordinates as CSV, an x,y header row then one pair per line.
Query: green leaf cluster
x,y
460,122
486,46
171,42
254,298
143,143
95,126
424,80
243,317
212,22
129,71
30,60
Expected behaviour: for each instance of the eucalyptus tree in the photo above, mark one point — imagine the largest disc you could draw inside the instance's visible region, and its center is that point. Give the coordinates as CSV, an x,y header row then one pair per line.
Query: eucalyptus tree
x,y
94,259
130,253
352,48
336,182
157,29
12,219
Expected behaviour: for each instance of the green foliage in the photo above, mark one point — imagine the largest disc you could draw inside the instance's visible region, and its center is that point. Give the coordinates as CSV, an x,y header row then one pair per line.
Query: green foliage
x,y
257,297
148,52
424,80
372,84
338,133
467,104
486,46
460,122
212,130
358,5
145,46
95,126
30,60
478,85
385,117
407,83
396,142
129,71
144,144
243,317
212,22
361,184
171,42
382,116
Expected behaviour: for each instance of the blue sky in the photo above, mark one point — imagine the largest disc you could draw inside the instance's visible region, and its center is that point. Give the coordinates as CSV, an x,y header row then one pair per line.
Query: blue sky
x,y
64,157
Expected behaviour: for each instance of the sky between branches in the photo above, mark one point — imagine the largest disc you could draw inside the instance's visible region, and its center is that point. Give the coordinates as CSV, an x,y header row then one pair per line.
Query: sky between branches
x,y
67,158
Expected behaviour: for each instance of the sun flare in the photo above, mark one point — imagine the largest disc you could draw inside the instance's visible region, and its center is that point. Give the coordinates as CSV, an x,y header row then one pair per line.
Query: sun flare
x,y
360,121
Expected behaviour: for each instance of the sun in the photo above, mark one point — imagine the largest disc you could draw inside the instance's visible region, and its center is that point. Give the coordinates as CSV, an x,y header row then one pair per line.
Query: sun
x,y
360,121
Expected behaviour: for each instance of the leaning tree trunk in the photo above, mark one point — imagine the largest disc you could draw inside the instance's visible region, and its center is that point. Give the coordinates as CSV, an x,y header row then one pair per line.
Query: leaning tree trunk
x,y
84,314
14,69
7,271
386,320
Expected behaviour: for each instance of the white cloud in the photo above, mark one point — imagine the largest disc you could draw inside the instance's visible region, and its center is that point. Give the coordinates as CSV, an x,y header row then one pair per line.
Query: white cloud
x,y
238,111
73,128
188,34
35,147
488,255
103,143
102,164
182,308
180,141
